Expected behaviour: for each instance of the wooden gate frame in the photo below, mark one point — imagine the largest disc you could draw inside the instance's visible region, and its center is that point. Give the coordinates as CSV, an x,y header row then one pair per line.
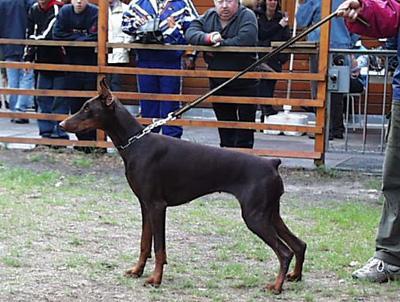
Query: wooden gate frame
x,y
318,155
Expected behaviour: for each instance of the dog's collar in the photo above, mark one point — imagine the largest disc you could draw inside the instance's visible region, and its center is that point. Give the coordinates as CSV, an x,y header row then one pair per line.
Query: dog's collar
x,y
156,123
133,139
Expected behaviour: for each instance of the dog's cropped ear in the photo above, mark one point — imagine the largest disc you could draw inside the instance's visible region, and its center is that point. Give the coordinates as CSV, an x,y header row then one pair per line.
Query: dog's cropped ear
x,y
105,93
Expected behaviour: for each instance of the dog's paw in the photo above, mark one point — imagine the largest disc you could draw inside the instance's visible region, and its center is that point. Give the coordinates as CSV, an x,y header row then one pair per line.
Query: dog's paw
x,y
271,288
293,277
151,281
134,272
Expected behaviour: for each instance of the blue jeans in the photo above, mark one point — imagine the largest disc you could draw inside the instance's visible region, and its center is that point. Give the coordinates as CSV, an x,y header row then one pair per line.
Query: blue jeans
x,y
50,104
18,78
160,84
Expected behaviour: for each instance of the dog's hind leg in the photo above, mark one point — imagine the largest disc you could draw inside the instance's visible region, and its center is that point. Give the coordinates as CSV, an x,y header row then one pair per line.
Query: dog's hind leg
x,y
157,219
295,244
261,225
145,247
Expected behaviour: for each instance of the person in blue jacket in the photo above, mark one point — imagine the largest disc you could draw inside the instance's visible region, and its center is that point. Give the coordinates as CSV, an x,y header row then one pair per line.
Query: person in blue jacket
x,y
78,22
308,13
162,22
13,24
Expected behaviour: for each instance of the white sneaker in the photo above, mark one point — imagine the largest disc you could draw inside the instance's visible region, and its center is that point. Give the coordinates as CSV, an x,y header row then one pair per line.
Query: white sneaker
x,y
375,270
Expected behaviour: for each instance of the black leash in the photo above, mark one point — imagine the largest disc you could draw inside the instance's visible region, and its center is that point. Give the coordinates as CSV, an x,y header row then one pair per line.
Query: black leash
x,y
175,114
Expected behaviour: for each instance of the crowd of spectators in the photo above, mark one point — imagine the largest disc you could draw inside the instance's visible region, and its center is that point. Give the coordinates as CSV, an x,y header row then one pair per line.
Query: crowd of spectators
x,y
228,23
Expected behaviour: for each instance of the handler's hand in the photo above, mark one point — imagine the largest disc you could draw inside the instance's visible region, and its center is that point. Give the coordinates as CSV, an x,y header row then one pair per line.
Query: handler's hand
x,y
349,9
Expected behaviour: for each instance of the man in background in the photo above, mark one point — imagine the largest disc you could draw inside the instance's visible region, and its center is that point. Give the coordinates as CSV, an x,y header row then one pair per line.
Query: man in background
x,y
13,23
78,22
229,24
41,18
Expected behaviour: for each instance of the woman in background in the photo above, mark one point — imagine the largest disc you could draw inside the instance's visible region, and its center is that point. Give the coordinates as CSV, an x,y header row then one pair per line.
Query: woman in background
x,y
272,26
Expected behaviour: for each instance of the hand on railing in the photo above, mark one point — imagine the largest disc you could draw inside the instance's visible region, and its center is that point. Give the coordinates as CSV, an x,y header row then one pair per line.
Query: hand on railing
x,y
214,39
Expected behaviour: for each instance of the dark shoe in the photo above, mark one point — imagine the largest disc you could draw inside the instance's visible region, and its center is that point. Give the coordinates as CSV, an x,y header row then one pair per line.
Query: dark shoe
x,y
12,120
58,133
338,135
55,136
308,109
269,110
262,119
21,121
312,136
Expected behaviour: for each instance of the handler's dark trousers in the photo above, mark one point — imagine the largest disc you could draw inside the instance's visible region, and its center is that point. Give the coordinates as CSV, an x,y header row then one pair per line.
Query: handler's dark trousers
x,y
388,237
231,137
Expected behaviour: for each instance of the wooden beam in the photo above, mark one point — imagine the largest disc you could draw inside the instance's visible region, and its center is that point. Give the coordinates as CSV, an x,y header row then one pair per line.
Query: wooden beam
x,y
101,144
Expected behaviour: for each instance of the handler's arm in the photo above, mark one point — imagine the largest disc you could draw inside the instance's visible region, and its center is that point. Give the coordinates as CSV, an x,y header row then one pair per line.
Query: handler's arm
x,y
383,17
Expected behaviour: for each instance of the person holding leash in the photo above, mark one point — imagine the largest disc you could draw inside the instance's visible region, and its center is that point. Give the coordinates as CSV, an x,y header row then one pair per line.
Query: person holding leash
x,y
383,17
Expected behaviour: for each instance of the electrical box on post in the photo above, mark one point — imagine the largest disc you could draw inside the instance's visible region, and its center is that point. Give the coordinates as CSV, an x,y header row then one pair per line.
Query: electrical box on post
x,y
339,79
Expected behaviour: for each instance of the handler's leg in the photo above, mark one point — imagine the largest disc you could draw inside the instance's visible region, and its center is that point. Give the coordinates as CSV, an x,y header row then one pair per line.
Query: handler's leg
x,y
385,264
388,238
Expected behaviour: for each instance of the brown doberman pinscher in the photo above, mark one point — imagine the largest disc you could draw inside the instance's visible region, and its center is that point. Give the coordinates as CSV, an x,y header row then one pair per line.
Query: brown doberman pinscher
x,y
164,172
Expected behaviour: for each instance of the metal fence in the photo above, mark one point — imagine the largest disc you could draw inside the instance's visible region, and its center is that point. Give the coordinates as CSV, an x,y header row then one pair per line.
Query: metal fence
x,y
366,113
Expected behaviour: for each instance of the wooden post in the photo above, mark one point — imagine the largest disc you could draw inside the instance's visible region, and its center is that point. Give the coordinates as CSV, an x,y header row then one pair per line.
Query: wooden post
x,y
321,92
102,47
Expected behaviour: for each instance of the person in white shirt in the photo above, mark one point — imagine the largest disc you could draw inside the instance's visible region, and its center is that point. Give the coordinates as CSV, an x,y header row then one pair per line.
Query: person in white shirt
x,y
118,56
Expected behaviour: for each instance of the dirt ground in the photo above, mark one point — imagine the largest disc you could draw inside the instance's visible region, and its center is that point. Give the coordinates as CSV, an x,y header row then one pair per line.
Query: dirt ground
x,y
42,280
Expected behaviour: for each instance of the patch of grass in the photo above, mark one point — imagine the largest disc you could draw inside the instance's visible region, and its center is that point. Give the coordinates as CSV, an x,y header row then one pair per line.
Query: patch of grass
x,y
339,235
77,262
374,183
76,241
323,171
37,157
88,228
83,162
21,180
11,261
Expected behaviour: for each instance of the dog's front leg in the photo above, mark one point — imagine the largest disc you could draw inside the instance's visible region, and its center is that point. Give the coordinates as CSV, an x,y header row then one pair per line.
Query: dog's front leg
x,y
157,219
145,246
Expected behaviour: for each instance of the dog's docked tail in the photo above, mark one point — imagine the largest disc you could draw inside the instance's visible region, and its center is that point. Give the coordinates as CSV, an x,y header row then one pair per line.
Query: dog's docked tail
x,y
276,162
